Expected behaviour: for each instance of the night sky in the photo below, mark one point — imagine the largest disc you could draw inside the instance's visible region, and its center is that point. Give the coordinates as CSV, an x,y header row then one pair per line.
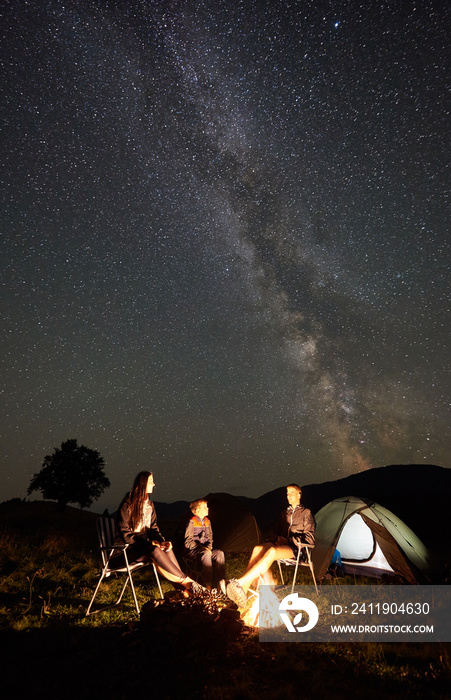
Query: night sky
x,y
224,242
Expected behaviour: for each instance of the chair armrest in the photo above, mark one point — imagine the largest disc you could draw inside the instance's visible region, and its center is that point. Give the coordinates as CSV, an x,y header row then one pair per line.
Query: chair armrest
x,y
114,546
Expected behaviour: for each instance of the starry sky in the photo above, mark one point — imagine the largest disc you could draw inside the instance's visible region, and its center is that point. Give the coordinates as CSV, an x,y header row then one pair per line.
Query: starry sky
x,y
224,239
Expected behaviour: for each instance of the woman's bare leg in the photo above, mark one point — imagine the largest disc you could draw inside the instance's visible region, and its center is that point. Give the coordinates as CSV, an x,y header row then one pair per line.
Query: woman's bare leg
x,y
168,566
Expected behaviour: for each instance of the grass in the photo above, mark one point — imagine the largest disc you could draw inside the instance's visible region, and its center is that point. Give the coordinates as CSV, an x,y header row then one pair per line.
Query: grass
x,y
49,565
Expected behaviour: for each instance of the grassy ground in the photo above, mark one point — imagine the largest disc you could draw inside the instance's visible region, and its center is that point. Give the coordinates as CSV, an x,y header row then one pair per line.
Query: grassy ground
x,y
49,566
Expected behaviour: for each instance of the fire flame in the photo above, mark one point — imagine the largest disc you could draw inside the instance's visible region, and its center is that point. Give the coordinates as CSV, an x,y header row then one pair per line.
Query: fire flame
x,y
268,616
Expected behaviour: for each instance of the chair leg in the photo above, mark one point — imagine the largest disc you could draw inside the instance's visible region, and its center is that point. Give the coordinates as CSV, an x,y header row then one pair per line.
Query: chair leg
x,y
128,580
281,574
102,576
122,591
296,569
310,563
129,575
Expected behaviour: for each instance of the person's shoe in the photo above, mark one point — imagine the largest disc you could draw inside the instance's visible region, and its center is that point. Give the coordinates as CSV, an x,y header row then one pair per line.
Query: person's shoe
x,y
236,593
222,587
197,589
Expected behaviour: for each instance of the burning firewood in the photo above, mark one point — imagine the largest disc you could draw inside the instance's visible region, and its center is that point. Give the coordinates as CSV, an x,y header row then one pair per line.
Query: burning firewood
x,y
210,620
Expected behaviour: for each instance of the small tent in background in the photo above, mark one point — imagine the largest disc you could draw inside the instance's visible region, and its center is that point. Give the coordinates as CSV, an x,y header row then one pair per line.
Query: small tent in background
x,y
234,527
371,540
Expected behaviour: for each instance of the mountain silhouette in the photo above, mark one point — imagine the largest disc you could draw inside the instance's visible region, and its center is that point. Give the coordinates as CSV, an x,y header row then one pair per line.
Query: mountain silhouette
x,y
417,493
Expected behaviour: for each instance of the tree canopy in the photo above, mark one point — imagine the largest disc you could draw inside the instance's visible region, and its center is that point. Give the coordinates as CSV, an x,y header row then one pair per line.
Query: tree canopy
x,y
72,474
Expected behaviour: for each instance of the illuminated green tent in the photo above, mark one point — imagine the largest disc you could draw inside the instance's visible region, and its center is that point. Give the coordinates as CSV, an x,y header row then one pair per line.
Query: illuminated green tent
x,y
371,541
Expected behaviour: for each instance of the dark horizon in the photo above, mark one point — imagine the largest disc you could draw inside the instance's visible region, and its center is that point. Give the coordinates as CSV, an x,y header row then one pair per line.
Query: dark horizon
x,y
377,477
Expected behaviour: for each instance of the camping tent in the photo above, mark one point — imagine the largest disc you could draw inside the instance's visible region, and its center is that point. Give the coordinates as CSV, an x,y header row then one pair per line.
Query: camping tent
x,y
234,527
371,540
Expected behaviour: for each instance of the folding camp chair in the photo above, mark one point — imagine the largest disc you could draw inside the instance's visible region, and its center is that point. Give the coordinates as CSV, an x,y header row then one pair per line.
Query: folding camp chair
x,y
297,563
106,532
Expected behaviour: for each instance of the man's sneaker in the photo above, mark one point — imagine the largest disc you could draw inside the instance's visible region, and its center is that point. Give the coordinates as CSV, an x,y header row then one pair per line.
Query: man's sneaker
x,y
236,593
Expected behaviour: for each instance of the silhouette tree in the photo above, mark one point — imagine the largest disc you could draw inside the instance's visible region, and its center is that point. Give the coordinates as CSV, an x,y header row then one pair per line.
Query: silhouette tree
x,y
72,474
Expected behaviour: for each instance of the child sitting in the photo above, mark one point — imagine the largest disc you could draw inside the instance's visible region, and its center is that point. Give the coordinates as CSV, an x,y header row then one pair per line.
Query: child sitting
x,y
199,545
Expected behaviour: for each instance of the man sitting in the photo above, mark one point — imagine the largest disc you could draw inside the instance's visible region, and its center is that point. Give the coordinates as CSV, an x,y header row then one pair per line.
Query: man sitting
x,y
199,545
296,525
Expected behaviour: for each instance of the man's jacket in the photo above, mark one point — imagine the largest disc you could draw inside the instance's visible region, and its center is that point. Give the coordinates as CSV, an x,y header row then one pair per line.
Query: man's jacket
x,y
297,523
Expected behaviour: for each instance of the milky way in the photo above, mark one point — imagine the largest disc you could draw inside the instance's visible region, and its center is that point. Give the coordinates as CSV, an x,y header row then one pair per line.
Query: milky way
x,y
225,251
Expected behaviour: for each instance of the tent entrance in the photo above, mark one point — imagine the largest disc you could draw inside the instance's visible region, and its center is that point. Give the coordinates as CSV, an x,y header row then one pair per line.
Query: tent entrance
x,y
359,550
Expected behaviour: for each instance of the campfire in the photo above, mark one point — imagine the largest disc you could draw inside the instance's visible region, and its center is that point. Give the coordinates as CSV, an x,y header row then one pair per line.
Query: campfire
x,y
268,616
210,620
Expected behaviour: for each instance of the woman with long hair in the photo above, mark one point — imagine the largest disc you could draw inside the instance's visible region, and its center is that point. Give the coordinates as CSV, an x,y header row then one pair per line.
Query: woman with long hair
x,y
137,526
